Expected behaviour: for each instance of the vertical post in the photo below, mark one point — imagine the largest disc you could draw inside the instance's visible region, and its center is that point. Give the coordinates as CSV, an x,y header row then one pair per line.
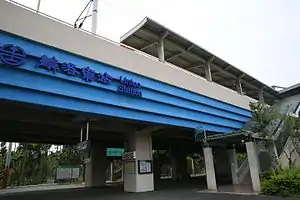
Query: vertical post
x,y
193,167
111,170
208,69
253,165
95,16
239,87
208,72
234,165
87,130
81,134
261,96
122,170
209,168
38,6
8,155
274,155
160,50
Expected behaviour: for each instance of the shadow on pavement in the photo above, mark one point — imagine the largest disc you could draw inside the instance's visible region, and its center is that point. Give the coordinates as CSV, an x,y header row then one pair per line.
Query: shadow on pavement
x,y
165,190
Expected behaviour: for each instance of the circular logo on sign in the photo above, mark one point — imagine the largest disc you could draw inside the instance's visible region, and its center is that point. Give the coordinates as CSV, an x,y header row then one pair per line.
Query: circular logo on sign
x,y
12,55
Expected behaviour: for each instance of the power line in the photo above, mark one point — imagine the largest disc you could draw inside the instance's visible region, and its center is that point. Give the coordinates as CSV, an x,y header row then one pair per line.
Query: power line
x,y
82,19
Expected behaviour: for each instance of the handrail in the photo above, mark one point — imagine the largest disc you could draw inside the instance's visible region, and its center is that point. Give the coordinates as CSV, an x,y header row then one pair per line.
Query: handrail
x,y
283,138
117,43
243,170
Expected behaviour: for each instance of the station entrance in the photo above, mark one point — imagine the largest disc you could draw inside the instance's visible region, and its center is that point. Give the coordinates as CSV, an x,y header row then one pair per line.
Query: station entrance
x,y
140,156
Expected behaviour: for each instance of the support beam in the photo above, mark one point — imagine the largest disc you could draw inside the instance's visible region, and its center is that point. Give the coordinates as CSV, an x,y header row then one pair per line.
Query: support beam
x,y
239,87
190,47
241,76
161,50
174,56
208,68
148,45
194,66
180,53
227,68
171,43
261,96
218,72
208,73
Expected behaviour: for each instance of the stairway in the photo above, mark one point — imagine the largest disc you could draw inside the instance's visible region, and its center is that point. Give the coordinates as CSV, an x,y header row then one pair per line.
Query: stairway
x,y
289,106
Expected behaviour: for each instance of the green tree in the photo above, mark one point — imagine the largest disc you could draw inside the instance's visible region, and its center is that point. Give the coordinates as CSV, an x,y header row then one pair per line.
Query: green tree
x,y
263,115
291,130
3,152
70,156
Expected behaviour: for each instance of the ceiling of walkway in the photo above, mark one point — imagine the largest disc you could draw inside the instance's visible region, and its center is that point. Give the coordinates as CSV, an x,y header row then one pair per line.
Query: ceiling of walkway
x,y
27,123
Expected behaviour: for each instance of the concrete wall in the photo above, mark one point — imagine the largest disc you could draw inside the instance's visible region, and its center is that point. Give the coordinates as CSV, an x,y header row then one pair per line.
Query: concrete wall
x,y
196,105
52,33
289,152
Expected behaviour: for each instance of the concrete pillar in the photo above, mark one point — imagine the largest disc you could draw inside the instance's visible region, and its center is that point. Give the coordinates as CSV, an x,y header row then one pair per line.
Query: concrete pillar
x,y
179,165
141,144
160,50
208,72
239,87
234,165
111,170
95,171
253,165
273,155
222,165
209,168
174,170
193,166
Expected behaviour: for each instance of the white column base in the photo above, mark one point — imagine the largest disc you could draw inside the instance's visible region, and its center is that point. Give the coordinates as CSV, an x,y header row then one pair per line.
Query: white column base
x,y
234,166
210,169
141,143
253,165
95,173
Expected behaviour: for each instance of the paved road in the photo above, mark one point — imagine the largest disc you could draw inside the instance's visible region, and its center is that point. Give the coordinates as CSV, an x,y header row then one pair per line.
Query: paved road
x,y
115,193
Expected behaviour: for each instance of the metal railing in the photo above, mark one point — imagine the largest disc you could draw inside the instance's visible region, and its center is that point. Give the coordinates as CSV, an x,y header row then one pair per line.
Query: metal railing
x,y
280,139
243,170
4,175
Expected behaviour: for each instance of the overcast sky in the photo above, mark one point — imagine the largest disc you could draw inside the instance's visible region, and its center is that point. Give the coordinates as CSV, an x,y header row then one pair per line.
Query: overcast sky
x,y
260,37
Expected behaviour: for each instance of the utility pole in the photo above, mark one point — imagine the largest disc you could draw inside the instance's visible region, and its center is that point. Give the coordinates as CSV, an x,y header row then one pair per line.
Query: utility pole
x,y
95,16
38,6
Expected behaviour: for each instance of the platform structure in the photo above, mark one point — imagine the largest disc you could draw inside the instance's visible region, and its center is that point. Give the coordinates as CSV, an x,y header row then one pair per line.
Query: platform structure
x,y
148,92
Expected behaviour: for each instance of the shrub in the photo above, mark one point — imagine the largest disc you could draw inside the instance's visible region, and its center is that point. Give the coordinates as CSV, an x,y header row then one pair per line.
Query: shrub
x,y
241,157
285,183
266,175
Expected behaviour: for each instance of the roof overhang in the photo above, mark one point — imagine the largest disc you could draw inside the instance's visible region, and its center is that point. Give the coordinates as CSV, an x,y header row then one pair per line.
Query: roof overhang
x,y
290,91
189,56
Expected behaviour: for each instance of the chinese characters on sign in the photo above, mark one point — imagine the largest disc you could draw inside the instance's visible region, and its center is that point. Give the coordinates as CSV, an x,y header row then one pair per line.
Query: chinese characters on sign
x,y
145,166
15,56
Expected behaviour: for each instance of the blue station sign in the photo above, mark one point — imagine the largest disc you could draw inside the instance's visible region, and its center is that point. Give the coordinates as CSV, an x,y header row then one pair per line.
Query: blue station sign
x,y
15,56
